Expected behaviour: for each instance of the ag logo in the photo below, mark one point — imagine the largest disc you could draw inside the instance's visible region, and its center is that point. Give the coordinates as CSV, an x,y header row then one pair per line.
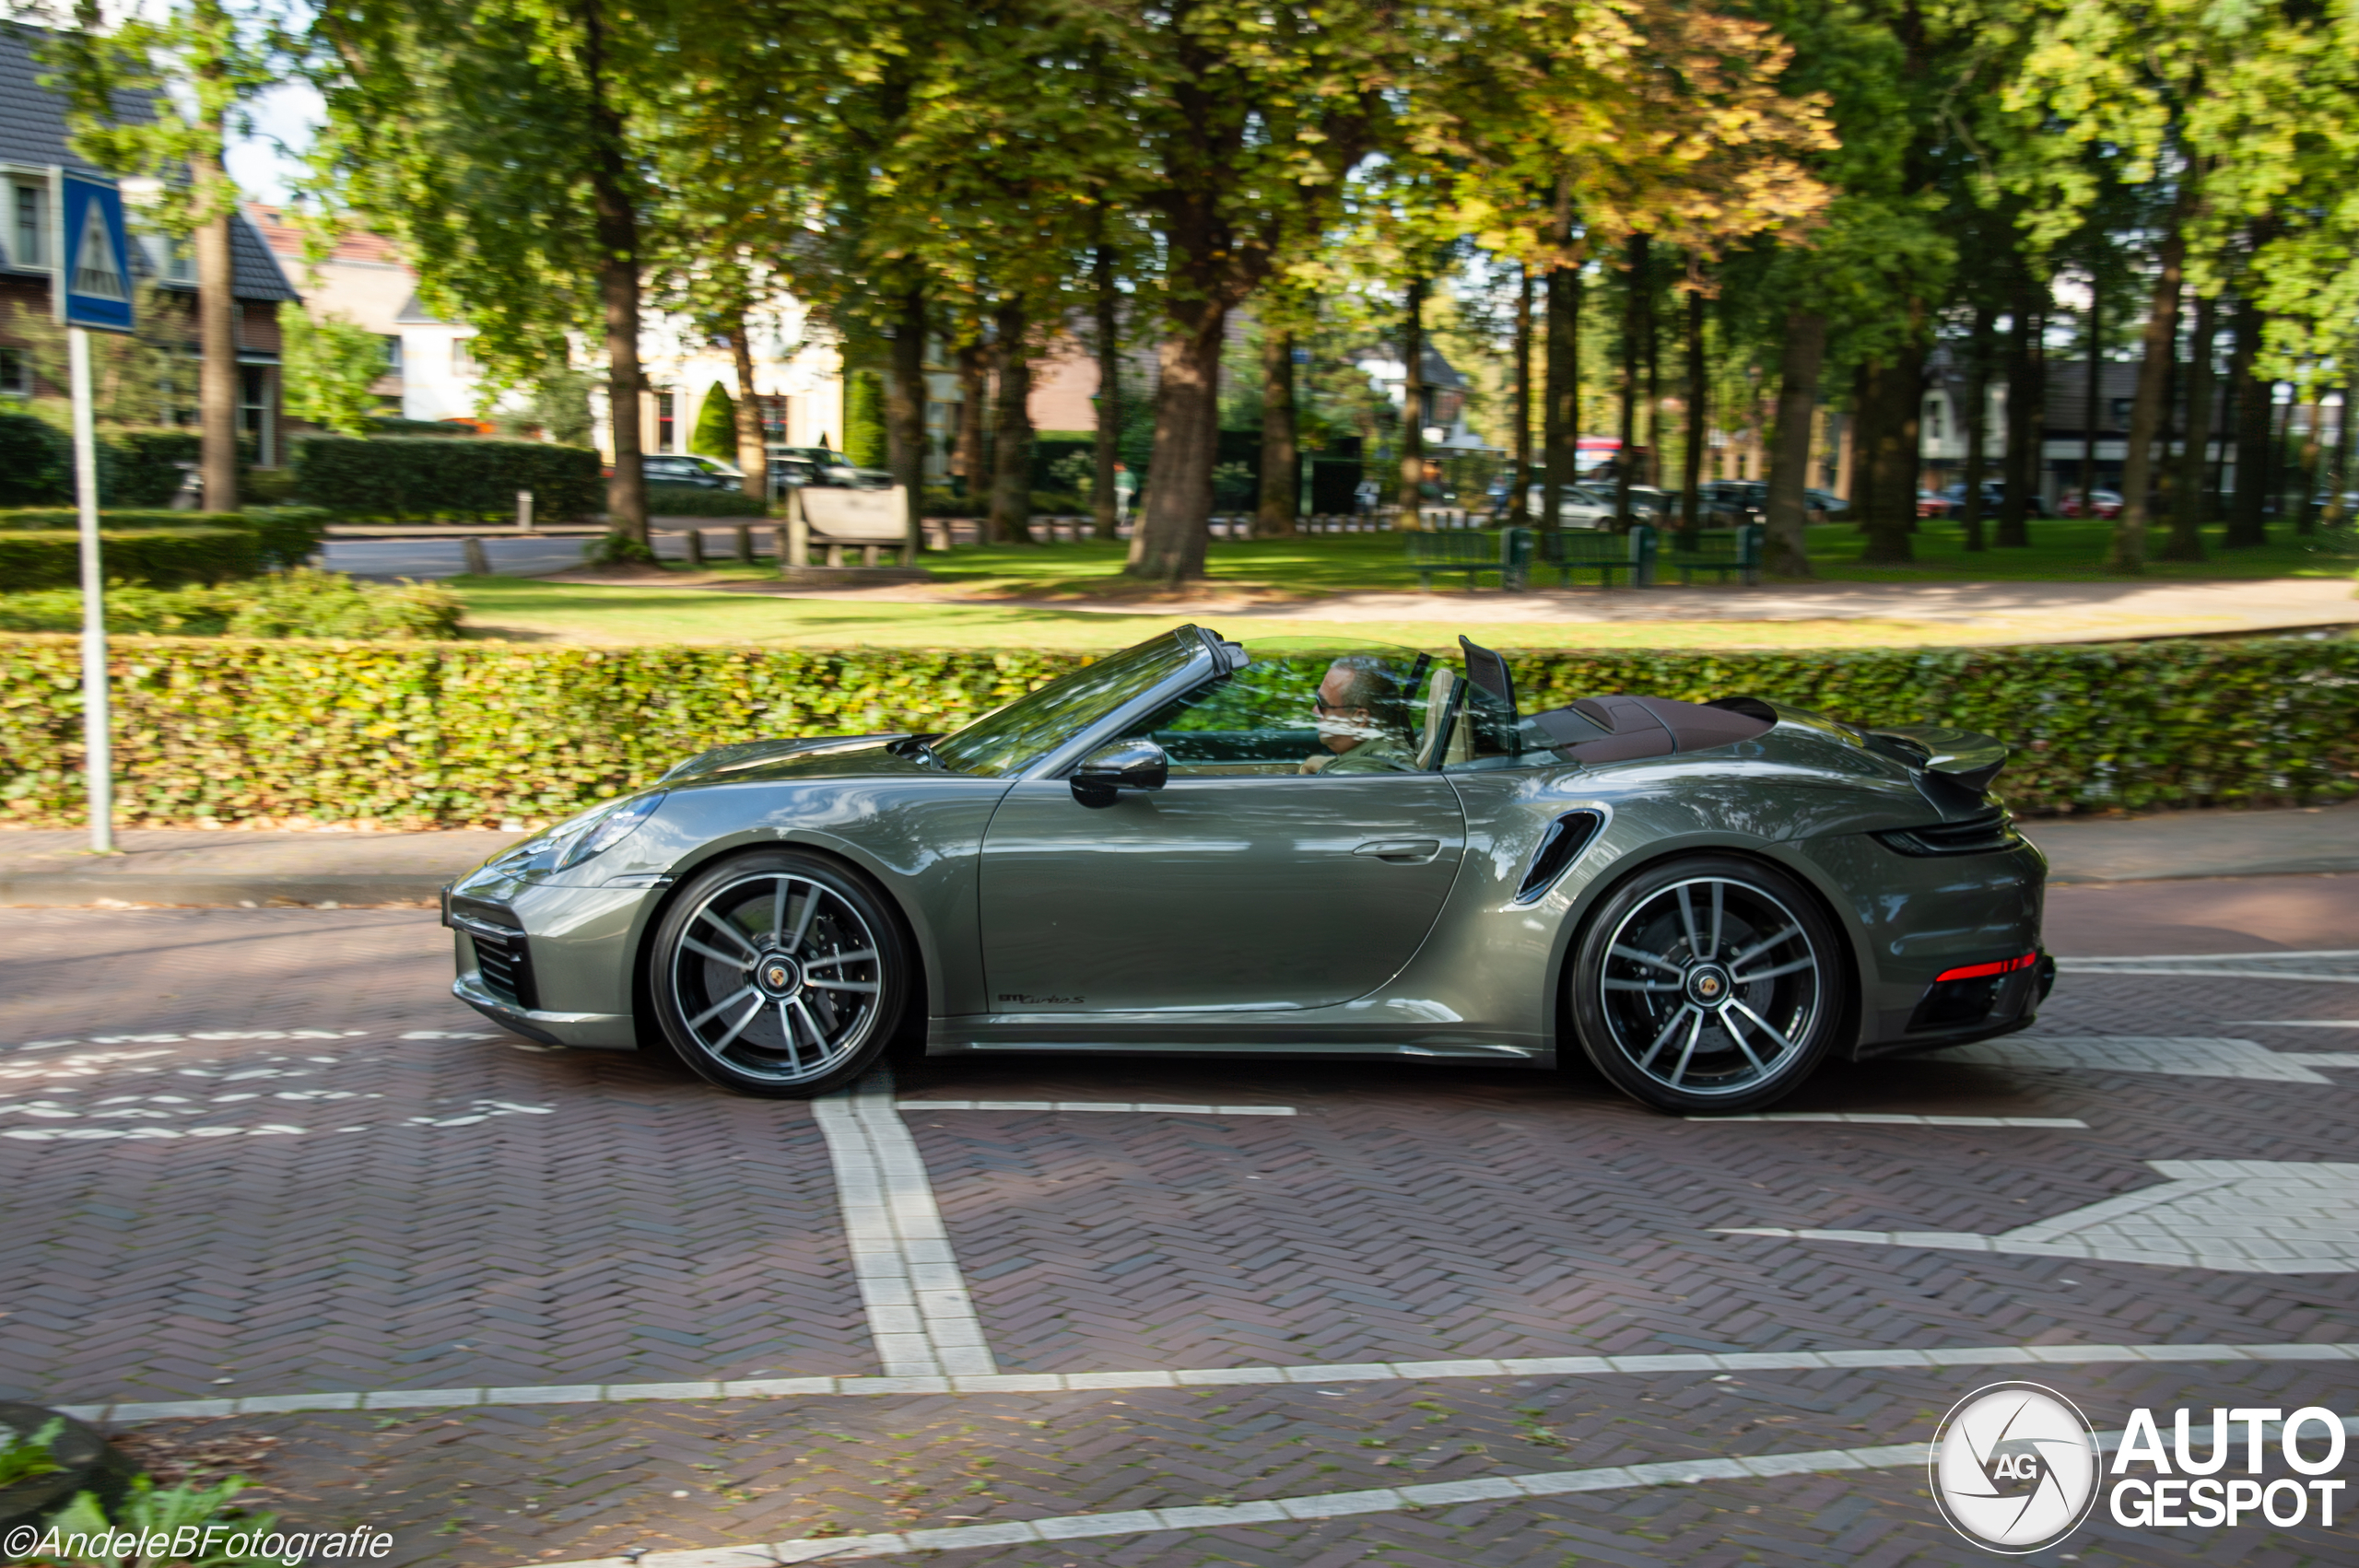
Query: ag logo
x,y
2015,1467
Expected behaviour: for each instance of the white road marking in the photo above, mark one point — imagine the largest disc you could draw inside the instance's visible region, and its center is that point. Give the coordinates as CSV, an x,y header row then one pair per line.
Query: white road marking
x,y
2292,1023
164,1107
1206,1378
1319,1506
2331,966
1094,1106
2184,1055
919,1310
2238,1216
1896,1118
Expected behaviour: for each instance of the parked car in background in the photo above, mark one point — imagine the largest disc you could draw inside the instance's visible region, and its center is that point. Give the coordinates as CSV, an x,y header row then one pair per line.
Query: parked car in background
x,y
794,466
2108,504
1820,505
1929,504
1591,506
1730,503
705,473
1994,496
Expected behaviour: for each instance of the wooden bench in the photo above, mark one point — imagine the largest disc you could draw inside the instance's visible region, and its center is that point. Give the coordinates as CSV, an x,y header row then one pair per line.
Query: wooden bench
x,y
1571,551
873,521
1721,550
1462,551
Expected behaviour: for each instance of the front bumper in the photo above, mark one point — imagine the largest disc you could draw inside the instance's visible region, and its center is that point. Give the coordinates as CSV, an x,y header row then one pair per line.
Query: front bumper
x,y
608,1031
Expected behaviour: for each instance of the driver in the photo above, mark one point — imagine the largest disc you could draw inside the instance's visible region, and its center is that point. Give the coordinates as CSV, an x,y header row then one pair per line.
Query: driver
x,y
1359,725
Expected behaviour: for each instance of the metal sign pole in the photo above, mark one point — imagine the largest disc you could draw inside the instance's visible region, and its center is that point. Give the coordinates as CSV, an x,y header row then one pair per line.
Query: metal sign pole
x,y
97,749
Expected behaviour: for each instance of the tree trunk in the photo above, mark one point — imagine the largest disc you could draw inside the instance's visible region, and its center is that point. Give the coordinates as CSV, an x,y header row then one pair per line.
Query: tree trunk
x,y
2306,472
974,394
1560,414
2157,349
1413,407
1520,406
1652,474
1107,450
753,450
2346,459
1786,513
2248,513
2027,418
2188,510
1977,424
1864,439
2090,406
614,220
1281,466
1897,394
1634,324
1011,450
905,402
1691,475
218,389
1169,544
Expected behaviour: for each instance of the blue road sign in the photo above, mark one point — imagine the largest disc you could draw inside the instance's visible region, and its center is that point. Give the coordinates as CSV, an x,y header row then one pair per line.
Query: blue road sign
x,y
96,271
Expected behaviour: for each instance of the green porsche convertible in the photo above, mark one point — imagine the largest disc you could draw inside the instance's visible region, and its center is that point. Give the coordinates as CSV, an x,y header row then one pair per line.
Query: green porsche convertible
x,y
1286,849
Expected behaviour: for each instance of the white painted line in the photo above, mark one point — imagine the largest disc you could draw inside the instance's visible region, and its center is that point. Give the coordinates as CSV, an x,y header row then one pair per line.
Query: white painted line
x,y
2324,1058
1283,1510
1148,1109
1894,1119
2217,958
2306,977
919,1310
2183,1056
2291,1024
2234,1216
123,1411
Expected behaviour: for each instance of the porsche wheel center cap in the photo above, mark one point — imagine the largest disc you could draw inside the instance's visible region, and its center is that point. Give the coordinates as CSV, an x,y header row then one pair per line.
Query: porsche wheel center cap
x,y
1708,984
779,975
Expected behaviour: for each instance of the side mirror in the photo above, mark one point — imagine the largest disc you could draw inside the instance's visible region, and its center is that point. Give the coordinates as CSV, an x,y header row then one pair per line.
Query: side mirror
x,y
1125,765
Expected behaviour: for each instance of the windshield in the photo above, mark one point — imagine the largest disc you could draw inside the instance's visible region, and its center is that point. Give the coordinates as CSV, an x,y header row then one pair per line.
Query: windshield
x,y
1003,742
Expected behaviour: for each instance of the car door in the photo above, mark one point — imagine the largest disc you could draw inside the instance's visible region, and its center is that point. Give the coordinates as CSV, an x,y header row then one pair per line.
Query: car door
x,y
1243,883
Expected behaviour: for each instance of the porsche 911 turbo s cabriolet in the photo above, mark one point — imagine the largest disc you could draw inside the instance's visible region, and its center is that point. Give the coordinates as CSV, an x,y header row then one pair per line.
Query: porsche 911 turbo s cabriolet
x,y
1281,848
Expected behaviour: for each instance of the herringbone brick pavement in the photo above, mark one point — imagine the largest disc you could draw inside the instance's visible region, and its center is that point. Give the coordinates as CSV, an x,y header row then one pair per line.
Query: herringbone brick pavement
x,y
608,1219
509,1486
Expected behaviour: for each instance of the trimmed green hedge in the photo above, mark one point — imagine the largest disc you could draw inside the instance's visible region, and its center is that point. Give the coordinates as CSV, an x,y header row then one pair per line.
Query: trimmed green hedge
x,y
301,603
406,477
161,558
285,535
464,733
698,500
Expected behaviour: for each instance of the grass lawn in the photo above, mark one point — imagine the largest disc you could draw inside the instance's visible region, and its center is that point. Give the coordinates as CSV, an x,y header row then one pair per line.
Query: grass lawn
x,y
1299,570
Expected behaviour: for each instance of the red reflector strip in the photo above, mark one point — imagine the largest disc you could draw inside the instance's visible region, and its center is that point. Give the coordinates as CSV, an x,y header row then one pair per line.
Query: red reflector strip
x,y
1983,971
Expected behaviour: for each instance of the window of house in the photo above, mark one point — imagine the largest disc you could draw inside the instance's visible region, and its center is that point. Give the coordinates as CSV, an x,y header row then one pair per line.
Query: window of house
x,y
393,354
1936,421
15,374
170,257
665,425
27,236
773,408
463,357
255,412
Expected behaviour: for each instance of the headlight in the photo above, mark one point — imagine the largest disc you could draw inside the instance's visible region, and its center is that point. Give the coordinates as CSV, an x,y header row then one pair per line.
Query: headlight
x,y
577,838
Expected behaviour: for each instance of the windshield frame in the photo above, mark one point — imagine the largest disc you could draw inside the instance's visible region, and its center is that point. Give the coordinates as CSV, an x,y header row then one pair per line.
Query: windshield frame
x,y
1195,662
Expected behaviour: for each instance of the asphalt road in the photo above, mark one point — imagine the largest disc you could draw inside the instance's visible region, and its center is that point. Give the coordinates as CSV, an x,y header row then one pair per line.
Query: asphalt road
x,y
1430,1315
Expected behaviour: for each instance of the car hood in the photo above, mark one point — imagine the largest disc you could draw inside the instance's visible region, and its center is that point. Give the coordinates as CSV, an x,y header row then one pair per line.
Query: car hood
x,y
819,757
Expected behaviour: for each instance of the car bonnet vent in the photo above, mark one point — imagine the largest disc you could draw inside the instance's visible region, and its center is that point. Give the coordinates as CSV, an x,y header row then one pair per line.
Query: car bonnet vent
x,y
1559,847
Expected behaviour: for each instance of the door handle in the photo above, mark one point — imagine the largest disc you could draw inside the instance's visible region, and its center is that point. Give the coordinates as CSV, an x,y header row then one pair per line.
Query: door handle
x,y
1402,851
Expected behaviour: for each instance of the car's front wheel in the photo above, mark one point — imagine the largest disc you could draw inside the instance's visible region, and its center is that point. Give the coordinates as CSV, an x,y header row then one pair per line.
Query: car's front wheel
x,y
778,973
1708,983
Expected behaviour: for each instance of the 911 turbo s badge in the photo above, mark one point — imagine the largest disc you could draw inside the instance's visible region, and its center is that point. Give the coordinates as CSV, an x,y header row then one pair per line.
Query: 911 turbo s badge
x,y
1025,999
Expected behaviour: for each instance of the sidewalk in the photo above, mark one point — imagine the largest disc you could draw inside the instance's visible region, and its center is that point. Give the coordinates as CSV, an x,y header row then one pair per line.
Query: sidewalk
x,y
188,866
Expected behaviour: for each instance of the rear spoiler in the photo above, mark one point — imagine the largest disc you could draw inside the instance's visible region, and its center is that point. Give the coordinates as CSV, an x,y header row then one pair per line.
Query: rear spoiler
x,y
1962,756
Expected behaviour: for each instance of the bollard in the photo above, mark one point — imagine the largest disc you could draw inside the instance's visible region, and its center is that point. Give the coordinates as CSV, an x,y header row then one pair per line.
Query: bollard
x,y
783,544
471,553
746,542
694,540
523,511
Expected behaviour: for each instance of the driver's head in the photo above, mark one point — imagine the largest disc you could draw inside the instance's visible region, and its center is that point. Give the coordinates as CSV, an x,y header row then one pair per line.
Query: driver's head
x,y
1356,701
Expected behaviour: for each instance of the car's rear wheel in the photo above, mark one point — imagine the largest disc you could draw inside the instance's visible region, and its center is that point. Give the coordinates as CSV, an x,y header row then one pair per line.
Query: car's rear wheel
x,y
778,973
1707,984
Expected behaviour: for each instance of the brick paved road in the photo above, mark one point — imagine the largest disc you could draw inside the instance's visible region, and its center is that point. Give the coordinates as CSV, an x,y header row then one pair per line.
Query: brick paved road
x,y
503,1217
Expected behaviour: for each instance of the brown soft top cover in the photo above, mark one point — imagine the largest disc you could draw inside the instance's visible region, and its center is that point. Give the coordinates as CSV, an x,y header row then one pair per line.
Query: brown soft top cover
x,y
1623,728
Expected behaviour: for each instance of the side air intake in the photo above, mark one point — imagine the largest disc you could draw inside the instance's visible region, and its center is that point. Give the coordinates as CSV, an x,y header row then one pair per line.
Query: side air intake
x,y
1559,847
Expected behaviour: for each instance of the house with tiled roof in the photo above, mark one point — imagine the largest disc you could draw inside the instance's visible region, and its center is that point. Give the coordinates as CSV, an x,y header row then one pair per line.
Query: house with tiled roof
x,y
361,279
33,143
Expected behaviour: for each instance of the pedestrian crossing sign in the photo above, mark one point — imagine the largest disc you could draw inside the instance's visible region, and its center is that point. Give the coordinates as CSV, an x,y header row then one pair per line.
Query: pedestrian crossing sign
x,y
94,275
